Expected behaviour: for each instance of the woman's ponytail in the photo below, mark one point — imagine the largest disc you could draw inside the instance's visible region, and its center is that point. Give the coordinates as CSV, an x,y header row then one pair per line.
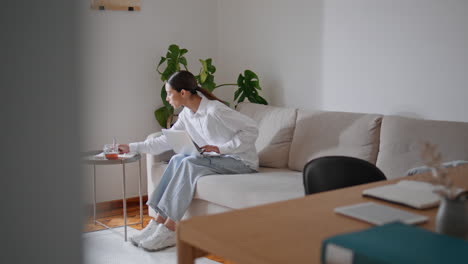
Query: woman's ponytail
x,y
184,80
209,95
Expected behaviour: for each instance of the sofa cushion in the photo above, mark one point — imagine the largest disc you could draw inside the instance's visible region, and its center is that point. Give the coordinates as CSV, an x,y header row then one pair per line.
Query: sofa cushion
x,y
276,127
321,133
401,142
245,190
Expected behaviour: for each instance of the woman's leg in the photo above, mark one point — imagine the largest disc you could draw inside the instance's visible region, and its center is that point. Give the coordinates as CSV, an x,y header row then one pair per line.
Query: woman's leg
x,y
160,219
154,198
171,225
181,188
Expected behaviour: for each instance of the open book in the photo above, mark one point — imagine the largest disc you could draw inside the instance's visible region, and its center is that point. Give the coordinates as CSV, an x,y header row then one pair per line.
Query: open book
x,y
415,194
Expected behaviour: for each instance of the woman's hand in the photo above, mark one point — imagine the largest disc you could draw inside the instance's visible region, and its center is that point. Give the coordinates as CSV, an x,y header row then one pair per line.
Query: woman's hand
x,y
209,148
124,148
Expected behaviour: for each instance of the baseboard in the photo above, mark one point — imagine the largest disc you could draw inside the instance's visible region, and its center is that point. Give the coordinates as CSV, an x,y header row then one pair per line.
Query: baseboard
x,y
116,204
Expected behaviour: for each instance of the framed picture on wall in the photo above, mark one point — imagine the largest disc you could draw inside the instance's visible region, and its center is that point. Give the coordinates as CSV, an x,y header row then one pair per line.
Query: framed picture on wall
x,y
123,5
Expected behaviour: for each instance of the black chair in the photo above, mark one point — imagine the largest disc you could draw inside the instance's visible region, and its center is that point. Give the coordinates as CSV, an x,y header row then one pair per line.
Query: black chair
x,y
334,172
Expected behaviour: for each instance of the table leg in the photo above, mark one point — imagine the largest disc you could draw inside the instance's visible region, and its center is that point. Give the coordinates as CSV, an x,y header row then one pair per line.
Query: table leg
x,y
94,194
139,192
185,253
124,201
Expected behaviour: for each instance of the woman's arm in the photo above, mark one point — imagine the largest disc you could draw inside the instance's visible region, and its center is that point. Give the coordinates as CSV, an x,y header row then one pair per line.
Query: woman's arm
x,y
155,145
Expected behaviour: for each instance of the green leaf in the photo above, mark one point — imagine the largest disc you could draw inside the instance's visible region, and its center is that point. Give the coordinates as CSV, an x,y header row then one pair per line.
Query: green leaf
x,y
166,74
163,97
203,62
237,93
249,75
248,85
261,100
175,50
256,84
183,51
209,83
240,81
183,61
211,69
209,66
209,86
203,76
204,70
170,69
241,99
163,59
161,115
210,79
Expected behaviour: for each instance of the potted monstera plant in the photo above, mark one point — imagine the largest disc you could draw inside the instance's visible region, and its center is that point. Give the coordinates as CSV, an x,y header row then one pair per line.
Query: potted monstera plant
x,y
248,83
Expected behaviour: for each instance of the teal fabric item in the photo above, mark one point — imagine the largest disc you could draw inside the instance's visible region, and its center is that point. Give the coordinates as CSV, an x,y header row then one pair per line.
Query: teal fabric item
x,y
400,243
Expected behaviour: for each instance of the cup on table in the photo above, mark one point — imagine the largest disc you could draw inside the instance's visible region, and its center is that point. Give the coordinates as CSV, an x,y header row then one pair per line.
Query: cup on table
x,y
111,151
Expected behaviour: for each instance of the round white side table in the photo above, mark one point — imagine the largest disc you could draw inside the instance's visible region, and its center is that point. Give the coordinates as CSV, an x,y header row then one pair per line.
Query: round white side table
x,y
91,159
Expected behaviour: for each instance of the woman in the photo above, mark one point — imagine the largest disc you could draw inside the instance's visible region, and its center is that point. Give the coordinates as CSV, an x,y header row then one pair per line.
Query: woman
x,y
212,125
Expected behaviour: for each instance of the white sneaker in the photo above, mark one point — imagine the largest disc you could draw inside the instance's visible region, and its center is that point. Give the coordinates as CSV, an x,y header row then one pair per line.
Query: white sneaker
x,y
162,238
146,232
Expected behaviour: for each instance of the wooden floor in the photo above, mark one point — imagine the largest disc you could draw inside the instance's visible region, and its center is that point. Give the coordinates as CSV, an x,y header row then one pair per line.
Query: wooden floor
x,y
111,214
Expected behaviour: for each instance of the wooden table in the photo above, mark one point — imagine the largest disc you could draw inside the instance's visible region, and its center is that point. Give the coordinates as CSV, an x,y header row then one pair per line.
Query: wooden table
x,y
284,232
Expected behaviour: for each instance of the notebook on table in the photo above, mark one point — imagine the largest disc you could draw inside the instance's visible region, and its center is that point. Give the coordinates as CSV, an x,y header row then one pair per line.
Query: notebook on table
x,y
379,214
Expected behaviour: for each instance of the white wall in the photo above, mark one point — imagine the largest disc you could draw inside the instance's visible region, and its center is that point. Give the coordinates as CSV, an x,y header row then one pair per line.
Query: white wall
x,y
396,57
279,40
122,89
391,57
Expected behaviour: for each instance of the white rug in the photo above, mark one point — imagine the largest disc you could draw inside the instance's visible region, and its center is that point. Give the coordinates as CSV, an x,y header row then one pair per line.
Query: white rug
x,y
109,247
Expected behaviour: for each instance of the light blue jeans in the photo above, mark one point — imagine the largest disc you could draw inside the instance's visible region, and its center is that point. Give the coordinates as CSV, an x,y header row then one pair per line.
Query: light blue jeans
x,y
175,191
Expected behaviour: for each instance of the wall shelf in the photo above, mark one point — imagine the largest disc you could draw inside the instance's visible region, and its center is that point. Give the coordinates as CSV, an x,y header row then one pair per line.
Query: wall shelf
x,y
121,5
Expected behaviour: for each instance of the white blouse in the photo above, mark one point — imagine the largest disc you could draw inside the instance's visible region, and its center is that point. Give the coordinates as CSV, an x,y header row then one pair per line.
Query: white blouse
x,y
213,124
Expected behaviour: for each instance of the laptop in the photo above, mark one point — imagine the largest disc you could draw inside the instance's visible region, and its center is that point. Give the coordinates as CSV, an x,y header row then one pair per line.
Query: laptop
x,y
182,143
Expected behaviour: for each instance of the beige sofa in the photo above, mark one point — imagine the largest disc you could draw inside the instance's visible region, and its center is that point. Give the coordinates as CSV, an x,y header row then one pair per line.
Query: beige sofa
x,y
289,138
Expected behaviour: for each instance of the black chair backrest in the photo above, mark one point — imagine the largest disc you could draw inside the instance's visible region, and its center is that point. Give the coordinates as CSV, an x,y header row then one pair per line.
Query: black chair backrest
x,y
334,172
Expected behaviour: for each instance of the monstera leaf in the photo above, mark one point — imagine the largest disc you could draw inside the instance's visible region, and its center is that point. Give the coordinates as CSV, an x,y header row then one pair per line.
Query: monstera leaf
x,y
249,85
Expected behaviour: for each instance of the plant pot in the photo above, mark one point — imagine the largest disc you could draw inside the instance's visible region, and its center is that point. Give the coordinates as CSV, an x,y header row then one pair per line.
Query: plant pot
x,y
452,217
